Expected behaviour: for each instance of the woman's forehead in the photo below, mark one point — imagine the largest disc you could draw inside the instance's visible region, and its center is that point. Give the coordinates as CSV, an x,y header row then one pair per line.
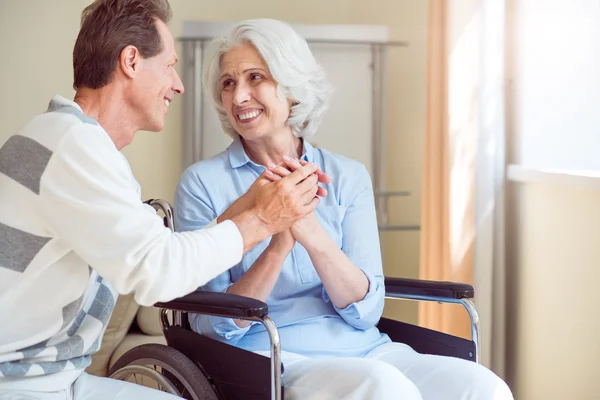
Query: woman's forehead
x,y
240,58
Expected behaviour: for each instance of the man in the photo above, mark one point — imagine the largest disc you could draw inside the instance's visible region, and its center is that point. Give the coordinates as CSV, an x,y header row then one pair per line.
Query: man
x,y
73,231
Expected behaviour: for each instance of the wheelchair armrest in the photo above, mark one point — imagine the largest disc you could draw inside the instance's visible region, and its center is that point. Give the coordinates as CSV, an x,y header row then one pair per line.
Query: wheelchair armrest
x,y
418,287
220,304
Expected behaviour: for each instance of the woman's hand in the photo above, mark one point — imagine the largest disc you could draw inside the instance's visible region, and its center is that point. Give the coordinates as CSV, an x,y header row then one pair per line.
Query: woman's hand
x,y
307,230
276,172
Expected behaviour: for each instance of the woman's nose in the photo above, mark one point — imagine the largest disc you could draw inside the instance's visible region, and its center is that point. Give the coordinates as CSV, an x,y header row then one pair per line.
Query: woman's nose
x,y
241,94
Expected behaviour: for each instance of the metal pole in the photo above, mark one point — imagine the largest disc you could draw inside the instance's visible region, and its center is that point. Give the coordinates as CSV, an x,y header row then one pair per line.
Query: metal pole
x,y
275,357
198,103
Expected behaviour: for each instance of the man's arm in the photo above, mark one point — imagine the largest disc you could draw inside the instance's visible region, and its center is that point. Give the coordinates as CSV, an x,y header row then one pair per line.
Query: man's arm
x,y
89,203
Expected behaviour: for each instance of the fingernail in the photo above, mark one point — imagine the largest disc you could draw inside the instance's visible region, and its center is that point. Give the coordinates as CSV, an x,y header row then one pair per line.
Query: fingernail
x,y
287,158
271,165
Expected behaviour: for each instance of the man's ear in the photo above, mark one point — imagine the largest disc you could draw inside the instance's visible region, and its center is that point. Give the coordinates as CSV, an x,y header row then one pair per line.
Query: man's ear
x,y
129,60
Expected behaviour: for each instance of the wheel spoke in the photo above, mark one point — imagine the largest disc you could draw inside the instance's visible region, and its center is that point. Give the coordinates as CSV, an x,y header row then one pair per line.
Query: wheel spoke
x,y
168,370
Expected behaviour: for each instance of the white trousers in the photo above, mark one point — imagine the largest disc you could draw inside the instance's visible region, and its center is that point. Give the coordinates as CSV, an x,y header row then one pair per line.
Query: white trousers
x,y
90,387
392,371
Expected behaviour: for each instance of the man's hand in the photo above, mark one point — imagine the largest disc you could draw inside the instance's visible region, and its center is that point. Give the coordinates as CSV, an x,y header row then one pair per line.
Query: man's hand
x,y
274,206
246,201
281,203
308,229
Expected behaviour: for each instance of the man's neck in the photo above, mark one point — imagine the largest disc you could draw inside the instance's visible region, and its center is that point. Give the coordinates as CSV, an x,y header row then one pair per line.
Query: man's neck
x,y
108,107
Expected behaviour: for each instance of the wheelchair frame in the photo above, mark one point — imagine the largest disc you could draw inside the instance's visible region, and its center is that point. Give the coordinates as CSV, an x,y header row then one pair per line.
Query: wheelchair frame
x,y
254,310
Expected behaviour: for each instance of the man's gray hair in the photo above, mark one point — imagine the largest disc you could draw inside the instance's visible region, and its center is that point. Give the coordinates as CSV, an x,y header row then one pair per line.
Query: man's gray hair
x,y
292,65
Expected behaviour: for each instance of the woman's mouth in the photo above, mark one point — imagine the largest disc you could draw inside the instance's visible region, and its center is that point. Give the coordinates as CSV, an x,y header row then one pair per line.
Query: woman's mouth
x,y
248,116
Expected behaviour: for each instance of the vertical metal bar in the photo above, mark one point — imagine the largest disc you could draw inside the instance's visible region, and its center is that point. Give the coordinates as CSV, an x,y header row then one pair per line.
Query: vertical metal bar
x,y
178,318
383,130
188,72
378,134
465,302
198,112
375,100
275,357
475,327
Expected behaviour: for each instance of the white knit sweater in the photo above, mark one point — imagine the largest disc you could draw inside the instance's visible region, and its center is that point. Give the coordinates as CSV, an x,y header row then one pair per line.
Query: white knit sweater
x,y
74,233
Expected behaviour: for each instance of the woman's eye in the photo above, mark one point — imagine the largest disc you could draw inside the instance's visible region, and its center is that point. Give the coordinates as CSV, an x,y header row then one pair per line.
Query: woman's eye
x,y
227,83
255,77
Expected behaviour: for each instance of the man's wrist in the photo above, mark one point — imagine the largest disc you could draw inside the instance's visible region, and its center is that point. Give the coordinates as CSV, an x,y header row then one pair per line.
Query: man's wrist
x,y
251,227
234,209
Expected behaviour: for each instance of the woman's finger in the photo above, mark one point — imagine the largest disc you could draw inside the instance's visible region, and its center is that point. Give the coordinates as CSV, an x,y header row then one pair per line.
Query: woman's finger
x,y
323,177
278,169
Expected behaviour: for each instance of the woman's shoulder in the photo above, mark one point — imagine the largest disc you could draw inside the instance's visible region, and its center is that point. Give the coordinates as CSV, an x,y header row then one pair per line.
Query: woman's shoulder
x,y
334,162
349,177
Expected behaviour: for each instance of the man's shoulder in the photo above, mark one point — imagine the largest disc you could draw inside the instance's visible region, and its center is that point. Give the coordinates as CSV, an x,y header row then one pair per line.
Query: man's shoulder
x,y
50,128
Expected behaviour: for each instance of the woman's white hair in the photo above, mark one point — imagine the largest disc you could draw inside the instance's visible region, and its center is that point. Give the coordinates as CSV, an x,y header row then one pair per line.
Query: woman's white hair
x,y
292,65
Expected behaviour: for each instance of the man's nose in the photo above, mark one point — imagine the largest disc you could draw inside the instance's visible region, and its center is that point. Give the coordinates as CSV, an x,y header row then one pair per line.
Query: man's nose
x,y
178,85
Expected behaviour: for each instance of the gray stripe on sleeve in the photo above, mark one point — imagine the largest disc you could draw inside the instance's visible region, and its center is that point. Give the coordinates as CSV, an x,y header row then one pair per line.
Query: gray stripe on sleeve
x,y
34,350
14,368
24,160
103,304
18,248
76,323
52,367
81,362
70,348
70,311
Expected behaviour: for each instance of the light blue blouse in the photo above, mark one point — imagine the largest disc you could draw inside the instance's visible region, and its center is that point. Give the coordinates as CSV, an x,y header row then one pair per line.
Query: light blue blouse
x,y
307,321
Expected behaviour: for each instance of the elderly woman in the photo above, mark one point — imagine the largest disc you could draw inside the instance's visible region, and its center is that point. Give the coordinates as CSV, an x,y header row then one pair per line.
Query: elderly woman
x,y
322,279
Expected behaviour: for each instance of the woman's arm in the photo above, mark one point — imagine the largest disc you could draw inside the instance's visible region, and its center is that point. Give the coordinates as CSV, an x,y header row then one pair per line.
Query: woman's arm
x,y
260,279
344,282
353,275
194,210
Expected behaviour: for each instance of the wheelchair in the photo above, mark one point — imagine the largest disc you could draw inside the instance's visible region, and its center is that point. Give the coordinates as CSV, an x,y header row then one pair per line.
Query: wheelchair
x,y
196,367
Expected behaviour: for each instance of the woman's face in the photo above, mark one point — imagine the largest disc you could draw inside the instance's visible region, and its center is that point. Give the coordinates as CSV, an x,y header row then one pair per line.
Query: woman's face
x,y
249,95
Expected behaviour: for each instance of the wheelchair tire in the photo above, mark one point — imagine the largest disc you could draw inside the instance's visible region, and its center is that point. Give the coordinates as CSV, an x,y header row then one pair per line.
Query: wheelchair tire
x,y
186,377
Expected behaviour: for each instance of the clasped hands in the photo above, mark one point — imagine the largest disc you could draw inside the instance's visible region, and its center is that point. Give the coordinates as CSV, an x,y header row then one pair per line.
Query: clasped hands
x,y
293,186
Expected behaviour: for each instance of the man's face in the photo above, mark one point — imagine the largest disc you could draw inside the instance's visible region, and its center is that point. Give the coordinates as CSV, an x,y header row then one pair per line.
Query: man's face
x,y
157,83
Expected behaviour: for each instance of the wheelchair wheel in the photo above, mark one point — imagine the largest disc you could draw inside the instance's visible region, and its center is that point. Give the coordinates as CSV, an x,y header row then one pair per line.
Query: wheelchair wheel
x,y
164,368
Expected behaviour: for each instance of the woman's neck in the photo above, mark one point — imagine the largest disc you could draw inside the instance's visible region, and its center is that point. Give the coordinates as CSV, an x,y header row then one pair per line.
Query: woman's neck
x,y
273,148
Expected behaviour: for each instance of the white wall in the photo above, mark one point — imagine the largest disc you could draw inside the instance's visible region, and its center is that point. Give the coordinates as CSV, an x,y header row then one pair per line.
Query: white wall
x,y
552,229
556,90
553,346
36,42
